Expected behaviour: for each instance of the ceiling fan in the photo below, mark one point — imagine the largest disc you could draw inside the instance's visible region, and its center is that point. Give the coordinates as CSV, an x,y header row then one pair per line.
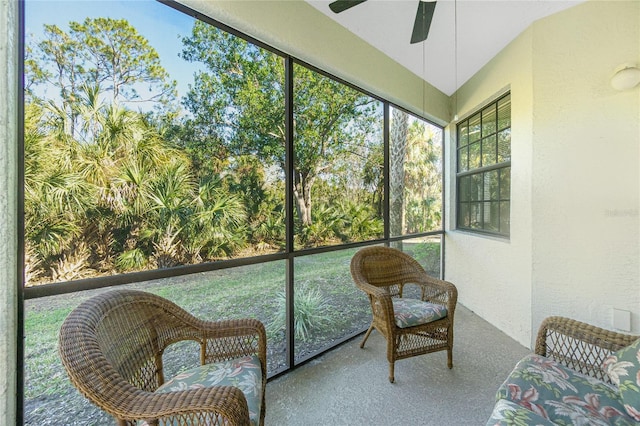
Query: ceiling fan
x,y
420,26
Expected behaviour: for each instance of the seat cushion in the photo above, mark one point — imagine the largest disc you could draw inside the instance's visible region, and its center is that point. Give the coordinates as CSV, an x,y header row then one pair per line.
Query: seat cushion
x,y
411,312
508,413
623,367
244,373
562,395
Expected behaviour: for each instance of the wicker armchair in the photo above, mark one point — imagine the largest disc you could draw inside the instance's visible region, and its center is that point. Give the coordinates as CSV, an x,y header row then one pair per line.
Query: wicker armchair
x,y
383,273
112,344
580,346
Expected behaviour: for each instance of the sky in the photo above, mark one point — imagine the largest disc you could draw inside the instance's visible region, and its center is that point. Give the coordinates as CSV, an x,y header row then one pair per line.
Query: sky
x,y
158,23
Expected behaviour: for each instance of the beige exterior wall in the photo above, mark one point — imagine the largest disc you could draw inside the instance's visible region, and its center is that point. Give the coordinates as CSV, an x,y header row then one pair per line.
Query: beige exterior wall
x,y
493,275
574,246
8,208
586,180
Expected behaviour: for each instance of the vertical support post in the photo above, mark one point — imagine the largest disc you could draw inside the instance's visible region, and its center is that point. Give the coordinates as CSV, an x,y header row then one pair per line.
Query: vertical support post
x,y
10,306
289,182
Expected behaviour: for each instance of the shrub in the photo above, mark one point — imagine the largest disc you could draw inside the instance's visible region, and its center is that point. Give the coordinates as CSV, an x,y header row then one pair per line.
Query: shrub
x,y
311,311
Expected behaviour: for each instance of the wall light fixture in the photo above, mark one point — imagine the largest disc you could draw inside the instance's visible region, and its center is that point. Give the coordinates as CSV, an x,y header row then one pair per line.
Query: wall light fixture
x,y
626,76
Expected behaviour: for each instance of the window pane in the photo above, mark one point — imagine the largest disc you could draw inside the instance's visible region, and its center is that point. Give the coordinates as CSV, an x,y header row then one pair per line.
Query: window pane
x,y
463,134
491,216
476,186
474,128
463,159
505,183
328,306
504,145
481,194
463,188
338,162
415,175
426,250
463,215
489,151
505,217
175,162
474,155
488,121
491,185
504,112
475,213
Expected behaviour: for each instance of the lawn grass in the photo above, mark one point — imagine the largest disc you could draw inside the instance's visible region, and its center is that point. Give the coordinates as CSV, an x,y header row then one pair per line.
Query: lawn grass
x,y
231,293
248,291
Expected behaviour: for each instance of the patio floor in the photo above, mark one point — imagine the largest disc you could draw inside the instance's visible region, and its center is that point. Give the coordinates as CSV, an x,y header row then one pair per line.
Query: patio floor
x,y
349,385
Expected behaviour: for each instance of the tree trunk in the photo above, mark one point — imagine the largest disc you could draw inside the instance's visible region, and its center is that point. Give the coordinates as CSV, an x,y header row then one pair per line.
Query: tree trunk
x,y
302,192
397,154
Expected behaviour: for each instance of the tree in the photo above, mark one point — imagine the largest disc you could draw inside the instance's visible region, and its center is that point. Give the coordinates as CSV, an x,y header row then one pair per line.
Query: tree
x,y
102,53
397,155
423,178
120,60
238,109
103,187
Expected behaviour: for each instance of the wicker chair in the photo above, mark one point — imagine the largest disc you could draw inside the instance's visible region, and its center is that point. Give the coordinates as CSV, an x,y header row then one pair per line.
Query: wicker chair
x,y
383,273
112,344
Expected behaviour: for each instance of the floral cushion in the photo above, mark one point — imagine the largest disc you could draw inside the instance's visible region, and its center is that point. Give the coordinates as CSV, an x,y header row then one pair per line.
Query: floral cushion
x,y
623,367
508,413
244,373
563,396
410,312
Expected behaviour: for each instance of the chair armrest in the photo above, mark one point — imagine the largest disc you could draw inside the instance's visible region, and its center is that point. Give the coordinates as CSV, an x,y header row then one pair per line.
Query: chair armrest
x,y
179,407
440,292
381,303
219,340
578,345
223,340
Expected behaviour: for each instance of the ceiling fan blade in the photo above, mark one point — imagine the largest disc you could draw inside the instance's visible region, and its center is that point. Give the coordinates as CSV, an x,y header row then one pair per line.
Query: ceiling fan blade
x,y
423,21
342,5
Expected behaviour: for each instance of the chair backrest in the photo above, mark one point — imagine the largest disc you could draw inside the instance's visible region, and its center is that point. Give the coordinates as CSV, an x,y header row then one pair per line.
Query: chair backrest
x,y
112,344
385,267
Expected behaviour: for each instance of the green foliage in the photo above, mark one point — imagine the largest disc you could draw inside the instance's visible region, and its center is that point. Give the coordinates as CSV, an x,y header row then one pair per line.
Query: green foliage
x,y
104,52
124,194
356,222
238,108
131,260
428,254
111,189
423,179
311,312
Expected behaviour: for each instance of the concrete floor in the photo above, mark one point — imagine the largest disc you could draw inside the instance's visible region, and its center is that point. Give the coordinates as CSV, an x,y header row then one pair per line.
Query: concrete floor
x,y
349,385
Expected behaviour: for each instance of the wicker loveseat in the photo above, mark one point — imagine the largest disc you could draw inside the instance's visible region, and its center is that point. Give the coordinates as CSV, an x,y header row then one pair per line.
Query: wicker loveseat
x,y
579,375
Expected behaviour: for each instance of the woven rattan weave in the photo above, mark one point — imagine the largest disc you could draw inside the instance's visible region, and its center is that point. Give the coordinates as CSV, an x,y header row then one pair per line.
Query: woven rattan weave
x,y
112,344
580,346
383,273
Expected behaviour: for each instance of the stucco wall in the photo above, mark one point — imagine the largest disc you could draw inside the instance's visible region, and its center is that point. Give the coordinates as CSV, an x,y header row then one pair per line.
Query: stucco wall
x,y
574,246
493,275
585,164
8,203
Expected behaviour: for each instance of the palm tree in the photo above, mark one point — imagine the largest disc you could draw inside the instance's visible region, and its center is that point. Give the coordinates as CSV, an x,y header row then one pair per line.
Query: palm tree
x,y
57,198
397,153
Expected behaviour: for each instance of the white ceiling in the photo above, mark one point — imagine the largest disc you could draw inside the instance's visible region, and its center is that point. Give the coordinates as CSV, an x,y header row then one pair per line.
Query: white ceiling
x,y
464,34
